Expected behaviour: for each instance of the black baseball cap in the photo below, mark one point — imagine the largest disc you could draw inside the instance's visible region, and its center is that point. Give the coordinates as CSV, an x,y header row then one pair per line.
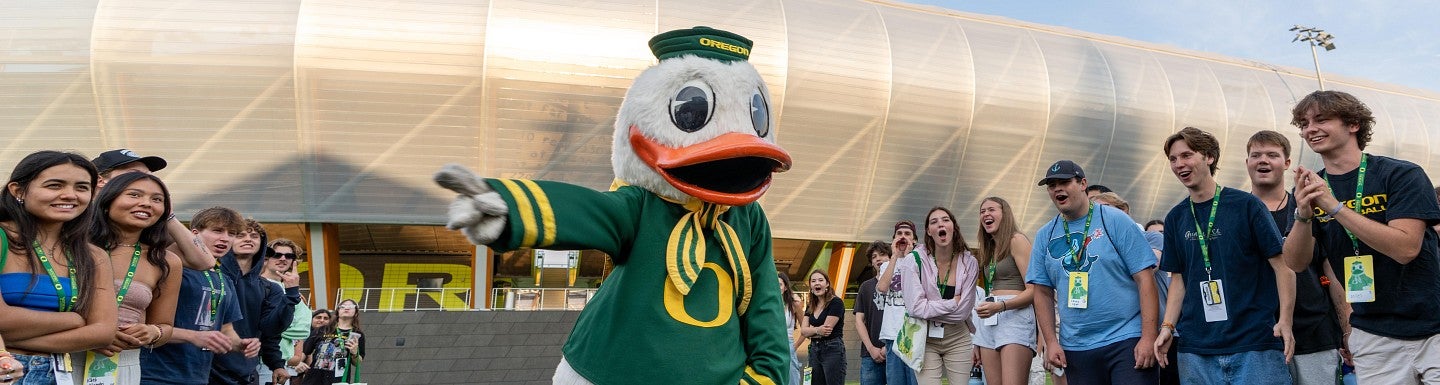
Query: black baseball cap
x,y
1063,169
109,160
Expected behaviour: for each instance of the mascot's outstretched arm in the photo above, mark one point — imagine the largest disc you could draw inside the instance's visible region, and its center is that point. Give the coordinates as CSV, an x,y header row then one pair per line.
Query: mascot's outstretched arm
x,y
478,212
508,214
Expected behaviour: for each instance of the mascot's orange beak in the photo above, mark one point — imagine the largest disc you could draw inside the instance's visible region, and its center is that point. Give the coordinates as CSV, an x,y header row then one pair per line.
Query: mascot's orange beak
x,y
732,169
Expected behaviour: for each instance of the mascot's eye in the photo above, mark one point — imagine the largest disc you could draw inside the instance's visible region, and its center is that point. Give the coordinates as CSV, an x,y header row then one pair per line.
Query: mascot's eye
x,y
760,114
692,107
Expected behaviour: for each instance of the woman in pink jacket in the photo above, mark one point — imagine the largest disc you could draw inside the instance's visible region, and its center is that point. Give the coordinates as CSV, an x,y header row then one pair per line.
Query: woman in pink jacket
x,y
942,292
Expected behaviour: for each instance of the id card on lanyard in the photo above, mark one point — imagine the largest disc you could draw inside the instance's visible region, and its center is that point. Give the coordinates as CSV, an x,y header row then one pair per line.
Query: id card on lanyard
x,y
100,369
1359,269
1212,291
1077,288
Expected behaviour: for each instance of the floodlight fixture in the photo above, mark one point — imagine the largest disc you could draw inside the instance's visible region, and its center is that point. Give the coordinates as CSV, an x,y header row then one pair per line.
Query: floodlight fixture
x,y
1314,37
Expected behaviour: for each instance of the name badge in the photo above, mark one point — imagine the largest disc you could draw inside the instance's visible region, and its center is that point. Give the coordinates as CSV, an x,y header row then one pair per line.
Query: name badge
x,y
1212,295
935,329
101,370
1079,290
62,367
1359,279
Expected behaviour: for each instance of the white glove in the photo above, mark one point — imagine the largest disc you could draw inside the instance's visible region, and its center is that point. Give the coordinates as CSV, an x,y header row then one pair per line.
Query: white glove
x,y
478,212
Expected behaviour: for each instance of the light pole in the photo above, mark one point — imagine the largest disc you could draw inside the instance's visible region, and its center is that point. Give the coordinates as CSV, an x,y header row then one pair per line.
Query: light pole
x,y
1314,37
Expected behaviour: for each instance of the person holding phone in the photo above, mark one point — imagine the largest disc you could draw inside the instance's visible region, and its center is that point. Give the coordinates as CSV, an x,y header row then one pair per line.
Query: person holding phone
x,y
336,350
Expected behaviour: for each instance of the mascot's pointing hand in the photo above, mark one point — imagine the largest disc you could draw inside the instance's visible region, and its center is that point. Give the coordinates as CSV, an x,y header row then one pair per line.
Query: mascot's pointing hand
x,y
478,212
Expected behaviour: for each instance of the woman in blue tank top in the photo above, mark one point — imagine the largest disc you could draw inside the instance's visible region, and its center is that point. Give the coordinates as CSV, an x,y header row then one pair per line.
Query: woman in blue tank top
x,y
56,286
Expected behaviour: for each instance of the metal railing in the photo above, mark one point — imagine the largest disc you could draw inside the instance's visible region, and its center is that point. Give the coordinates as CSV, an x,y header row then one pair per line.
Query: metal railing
x,y
510,298
406,299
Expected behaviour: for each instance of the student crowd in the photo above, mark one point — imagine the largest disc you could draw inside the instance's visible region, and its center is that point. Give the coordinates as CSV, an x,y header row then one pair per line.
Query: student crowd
x,y
102,284
1275,287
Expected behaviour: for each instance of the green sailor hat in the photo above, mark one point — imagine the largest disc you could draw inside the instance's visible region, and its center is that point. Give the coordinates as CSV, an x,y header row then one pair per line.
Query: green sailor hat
x,y
701,41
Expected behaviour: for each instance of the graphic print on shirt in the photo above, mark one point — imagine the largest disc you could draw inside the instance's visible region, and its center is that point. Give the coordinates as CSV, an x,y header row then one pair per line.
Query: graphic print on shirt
x,y
1369,204
1063,248
203,319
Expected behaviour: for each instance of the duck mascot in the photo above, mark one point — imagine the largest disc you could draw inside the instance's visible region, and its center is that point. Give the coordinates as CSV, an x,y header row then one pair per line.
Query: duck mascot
x,y
693,297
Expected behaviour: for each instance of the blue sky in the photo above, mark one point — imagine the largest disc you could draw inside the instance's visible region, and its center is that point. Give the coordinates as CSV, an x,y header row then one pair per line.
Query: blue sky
x,y
1389,41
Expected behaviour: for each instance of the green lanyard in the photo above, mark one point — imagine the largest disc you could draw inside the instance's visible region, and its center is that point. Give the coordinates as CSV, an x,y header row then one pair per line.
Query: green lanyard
x,y
214,298
129,276
1359,190
1205,233
1083,243
55,279
990,278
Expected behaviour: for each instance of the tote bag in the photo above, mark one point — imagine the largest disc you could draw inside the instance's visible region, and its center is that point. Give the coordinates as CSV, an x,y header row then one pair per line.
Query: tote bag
x,y
910,342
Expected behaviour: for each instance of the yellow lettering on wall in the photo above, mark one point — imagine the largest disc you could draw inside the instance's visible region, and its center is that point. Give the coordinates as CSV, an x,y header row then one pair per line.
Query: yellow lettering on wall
x,y
397,276
675,302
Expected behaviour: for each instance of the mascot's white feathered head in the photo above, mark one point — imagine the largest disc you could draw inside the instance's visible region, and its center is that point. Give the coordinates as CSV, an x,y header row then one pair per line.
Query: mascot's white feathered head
x,y
697,124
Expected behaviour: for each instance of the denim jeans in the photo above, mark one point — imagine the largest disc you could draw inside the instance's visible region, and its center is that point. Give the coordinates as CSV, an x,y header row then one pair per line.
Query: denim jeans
x,y
1258,367
896,371
37,370
827,362
871,372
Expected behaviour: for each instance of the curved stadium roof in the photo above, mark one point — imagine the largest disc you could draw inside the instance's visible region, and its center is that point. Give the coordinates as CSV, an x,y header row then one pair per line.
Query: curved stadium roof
x,y
339,111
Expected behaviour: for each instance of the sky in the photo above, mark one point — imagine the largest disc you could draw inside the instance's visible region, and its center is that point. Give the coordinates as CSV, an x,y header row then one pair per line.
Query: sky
x,y
1388,41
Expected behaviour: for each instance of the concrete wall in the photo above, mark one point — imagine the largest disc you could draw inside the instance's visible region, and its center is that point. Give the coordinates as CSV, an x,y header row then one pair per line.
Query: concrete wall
x,y
485,347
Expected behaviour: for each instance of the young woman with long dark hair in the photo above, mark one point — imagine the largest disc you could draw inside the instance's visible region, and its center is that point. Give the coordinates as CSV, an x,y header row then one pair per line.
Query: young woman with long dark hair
x,y
129,224
940,289
58,297
794,310
825,327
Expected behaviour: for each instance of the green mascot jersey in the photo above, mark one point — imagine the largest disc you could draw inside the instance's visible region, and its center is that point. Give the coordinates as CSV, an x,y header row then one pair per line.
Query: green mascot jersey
x,y
638,328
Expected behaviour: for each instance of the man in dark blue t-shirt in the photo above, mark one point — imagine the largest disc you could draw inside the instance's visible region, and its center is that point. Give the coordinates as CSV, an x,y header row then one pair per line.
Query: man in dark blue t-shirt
x,y
204,317
1231,294
1369,216
1316,328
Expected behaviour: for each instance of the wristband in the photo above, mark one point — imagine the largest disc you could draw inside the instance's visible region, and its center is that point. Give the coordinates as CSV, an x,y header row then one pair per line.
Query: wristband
x,y
1338,206
1301,219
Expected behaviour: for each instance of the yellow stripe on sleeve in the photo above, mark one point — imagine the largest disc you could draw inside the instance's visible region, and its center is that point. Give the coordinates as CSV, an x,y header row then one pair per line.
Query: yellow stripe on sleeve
x,y
547,215
755,377
527,214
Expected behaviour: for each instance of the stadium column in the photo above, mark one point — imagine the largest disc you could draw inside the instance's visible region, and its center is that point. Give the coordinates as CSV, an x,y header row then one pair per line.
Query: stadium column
x,y
324,263
839,269
481,260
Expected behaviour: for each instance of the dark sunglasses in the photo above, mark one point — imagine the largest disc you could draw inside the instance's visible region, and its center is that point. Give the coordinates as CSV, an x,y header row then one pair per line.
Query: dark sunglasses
x,y
290,256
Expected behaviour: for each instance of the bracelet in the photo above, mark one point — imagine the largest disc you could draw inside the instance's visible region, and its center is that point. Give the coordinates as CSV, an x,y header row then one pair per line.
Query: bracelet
x,y
1003,307
158,334
1338,207
1167,325
1301,219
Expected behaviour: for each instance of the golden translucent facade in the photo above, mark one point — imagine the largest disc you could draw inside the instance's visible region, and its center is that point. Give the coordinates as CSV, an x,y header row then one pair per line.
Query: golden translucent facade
x,y
339,111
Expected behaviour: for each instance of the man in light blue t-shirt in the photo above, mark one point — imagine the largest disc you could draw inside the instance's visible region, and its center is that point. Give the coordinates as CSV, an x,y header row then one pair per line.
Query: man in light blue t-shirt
x,y
1110,321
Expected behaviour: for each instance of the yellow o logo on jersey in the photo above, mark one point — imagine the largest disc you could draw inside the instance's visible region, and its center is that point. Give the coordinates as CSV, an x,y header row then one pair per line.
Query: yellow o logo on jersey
x,y
675,302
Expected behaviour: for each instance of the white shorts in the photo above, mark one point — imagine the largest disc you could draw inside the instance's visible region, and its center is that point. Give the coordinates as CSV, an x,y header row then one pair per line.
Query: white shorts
x,y
1017,326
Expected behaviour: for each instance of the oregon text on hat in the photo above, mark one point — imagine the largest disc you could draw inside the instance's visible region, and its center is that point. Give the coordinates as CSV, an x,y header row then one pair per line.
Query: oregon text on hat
x,y
703,42
708,42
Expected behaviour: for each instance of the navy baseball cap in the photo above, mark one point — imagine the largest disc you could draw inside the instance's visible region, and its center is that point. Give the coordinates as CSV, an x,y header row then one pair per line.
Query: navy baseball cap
x,y
1063,169
109,160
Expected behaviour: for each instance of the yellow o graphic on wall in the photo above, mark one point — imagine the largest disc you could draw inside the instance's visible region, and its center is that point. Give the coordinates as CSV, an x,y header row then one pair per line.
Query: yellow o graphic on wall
x,y
675,302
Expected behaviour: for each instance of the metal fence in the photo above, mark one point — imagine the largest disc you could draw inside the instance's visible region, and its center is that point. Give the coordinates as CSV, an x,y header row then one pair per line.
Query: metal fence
x,y
406,299
509,298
